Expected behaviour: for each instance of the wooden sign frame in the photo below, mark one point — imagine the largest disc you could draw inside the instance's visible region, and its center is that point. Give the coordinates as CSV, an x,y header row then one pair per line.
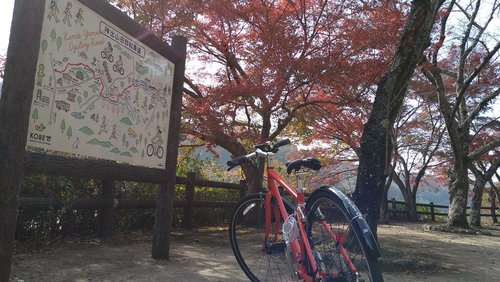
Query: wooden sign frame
x,y
15,104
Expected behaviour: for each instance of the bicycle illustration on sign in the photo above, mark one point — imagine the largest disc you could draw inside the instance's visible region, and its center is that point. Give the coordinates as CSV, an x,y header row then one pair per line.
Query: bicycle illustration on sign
x,y
107,53
155,148
118,67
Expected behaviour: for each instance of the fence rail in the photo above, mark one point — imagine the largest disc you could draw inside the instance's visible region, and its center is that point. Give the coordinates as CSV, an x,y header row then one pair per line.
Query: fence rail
x,y
107,204
433,209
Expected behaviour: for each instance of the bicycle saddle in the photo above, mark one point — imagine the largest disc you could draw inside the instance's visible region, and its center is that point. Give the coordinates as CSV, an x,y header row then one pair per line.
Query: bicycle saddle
x,y
296,165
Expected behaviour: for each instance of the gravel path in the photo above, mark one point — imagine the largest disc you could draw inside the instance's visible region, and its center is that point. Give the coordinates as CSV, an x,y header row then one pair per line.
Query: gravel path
x,y
205,255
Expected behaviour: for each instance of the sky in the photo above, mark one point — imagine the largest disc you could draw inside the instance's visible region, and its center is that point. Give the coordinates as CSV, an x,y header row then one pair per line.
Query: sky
x,y
5,18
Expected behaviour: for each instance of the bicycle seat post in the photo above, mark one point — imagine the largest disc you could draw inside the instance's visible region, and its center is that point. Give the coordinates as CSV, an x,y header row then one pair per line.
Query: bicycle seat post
x,y
301,177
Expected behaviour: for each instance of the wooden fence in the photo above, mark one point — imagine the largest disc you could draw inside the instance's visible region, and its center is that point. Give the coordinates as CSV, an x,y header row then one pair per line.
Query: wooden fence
x,y
399,207
108,203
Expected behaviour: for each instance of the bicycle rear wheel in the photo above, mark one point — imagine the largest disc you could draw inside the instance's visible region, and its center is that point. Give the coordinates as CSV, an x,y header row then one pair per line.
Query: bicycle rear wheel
x,y
341,256
260,259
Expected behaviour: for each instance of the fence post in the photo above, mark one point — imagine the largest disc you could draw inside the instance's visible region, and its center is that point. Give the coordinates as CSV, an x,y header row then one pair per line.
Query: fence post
x,y
243,188
187,219
106,216
394,208
493,213
433,216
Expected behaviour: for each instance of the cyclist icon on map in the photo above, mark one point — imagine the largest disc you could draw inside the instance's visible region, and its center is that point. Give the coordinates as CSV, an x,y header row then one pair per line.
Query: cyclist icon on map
x,y
118,67
155,147
107,53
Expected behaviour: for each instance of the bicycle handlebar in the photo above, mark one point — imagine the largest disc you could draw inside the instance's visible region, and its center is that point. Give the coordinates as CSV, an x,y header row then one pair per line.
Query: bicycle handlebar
x,y
237,161
262,150
283,142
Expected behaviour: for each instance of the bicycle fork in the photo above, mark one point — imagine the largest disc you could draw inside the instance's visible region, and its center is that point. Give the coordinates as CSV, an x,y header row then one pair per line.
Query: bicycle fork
x,y
339,245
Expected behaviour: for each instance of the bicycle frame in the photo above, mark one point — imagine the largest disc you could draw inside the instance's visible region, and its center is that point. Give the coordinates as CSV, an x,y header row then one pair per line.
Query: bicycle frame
x,y
301,249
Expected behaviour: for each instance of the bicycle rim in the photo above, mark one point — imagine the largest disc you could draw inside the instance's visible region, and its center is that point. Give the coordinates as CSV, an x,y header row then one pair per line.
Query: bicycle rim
x,y
343,257
261,260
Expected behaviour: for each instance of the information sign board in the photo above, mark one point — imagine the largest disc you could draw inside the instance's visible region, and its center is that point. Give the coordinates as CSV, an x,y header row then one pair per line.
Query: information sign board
x,y
99,92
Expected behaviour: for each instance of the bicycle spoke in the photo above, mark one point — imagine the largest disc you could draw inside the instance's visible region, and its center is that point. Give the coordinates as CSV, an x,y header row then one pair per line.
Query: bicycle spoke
x,y
338,251
261,261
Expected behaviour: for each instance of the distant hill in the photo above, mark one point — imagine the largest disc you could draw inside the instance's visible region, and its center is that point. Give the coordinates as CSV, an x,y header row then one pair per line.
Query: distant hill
x,y
224,156
429,190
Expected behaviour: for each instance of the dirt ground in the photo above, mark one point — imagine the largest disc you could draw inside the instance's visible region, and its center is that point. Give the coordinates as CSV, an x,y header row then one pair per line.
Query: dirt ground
x,y
205,255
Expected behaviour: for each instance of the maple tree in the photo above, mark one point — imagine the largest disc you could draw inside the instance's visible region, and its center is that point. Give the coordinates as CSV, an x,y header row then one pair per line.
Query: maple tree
x,y
256,65
463,67
418,136
484,167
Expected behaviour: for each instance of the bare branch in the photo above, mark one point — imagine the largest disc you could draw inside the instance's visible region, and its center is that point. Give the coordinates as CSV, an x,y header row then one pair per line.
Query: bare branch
x,y
196,92
480,151
463,53
465,85
480,106
442,32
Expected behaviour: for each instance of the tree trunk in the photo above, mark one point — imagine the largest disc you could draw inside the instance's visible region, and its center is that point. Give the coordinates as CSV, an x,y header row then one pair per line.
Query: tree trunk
x,y
482,177
493,206
253,178
376,148
411,209
372,163
477,198
409,198
384,206
458,188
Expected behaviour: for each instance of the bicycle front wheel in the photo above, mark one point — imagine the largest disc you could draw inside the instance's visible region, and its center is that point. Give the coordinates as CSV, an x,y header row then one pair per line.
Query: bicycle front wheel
x,y
261,259
339,253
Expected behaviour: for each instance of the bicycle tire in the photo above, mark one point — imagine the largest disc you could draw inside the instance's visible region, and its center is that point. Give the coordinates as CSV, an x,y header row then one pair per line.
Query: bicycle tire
x,y
331,263
259,260
150,150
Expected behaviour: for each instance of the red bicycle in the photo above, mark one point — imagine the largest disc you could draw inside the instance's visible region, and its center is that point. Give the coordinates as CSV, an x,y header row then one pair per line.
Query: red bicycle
x,y
325,238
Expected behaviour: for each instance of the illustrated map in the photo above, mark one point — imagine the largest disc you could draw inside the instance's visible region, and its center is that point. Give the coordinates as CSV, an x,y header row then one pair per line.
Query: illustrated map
x,y
98,91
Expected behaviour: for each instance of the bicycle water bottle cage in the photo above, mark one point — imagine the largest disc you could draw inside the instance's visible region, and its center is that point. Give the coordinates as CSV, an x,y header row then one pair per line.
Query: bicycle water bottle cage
x,y
297,165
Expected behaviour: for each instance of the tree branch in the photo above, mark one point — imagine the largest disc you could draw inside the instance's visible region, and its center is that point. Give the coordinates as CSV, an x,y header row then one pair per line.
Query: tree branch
x,y
480,151
464,87
481,105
